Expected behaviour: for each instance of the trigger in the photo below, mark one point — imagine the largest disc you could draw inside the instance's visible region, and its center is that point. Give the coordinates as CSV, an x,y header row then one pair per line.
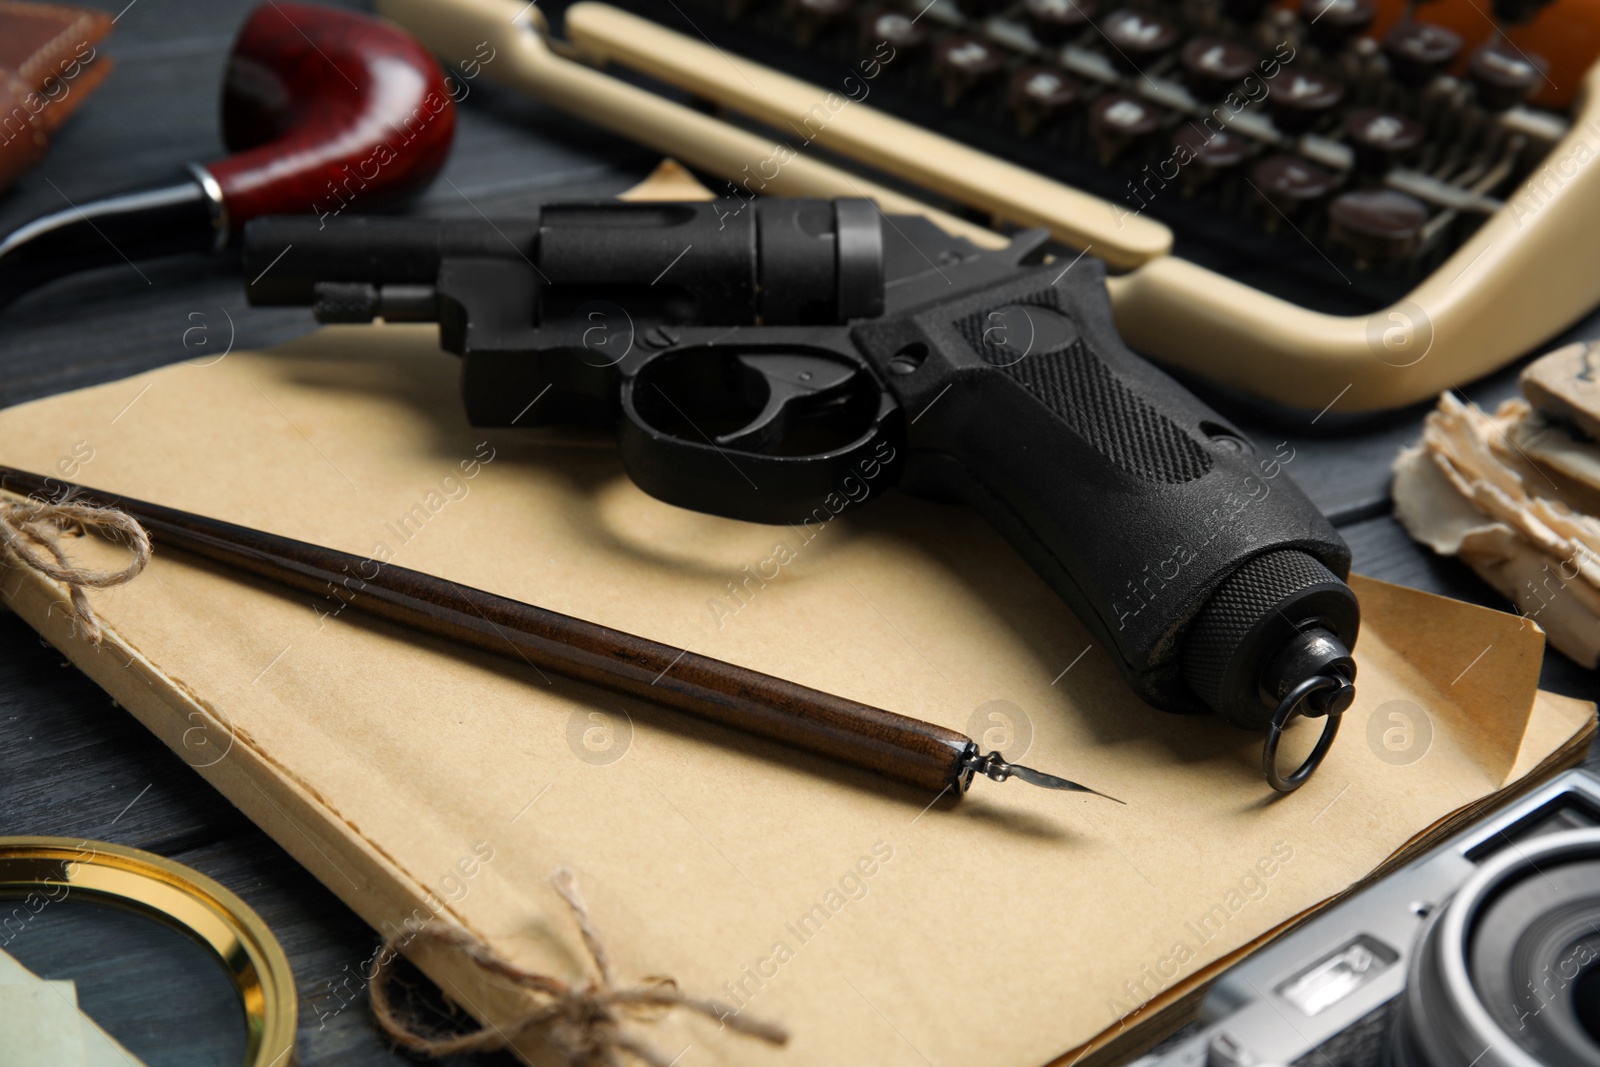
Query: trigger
x,y
790,379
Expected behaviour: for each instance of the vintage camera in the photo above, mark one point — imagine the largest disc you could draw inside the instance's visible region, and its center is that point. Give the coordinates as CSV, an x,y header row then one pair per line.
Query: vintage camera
x,y
1483,953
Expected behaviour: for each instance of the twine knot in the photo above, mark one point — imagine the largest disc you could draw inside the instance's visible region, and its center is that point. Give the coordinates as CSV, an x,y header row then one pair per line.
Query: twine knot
x,y
29,525
584,1021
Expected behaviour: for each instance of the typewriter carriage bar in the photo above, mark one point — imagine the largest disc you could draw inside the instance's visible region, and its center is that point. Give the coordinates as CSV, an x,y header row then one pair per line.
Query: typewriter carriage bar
x,y
1530,270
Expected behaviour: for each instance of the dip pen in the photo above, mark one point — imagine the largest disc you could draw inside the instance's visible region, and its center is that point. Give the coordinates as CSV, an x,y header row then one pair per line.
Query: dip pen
x,y
895,746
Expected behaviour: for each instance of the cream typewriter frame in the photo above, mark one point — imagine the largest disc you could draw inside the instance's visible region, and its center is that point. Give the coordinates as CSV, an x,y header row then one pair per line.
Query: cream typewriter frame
x,y
1528,273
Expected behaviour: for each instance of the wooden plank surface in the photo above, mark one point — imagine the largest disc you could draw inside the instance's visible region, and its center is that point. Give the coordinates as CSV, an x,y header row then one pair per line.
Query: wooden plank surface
x,y
72,764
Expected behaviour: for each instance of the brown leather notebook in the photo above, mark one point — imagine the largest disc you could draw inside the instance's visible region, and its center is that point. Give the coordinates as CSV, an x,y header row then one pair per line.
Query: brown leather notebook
x,y
49,64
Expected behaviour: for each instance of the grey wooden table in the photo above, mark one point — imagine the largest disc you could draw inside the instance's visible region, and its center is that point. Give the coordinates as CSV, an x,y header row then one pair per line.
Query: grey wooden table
x,y
72,764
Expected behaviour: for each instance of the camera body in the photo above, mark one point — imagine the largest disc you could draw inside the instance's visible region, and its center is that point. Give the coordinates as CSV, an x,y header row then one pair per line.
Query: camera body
x,y
1485,951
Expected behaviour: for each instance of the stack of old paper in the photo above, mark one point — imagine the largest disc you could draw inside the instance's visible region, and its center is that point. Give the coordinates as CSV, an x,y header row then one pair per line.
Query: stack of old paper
x,y
419,781
1515,495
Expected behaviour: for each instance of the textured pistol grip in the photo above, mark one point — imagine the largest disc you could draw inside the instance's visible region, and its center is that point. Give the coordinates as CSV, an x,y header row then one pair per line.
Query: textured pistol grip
x,y
1127,494
1080,390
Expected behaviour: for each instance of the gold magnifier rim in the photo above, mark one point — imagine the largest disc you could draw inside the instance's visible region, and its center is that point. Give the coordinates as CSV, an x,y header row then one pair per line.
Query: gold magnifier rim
x,y
182,898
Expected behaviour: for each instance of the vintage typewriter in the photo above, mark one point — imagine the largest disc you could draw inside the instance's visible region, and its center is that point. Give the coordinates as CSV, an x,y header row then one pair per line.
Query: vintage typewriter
x,y
1349,202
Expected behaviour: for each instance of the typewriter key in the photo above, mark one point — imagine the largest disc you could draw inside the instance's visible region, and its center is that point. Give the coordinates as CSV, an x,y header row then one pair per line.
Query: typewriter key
x,y
1053,21
1381,138
1120,121
1214,67
1137,39
1039,94
811,17
1504,75
964,63
1299,100
896,30
1290,184
1418,51
1334,23
1205,155
1377,225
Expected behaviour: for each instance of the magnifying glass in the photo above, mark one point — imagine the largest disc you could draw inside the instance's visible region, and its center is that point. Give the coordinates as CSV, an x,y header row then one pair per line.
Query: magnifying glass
x,y
170,966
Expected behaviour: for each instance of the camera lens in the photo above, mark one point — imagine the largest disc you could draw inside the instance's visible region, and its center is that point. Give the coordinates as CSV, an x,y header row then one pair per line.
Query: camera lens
x,y
1537,941
1586,1001
1508,973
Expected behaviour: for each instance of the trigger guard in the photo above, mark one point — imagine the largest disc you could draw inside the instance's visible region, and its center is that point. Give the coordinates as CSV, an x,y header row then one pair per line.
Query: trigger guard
x,y
755,487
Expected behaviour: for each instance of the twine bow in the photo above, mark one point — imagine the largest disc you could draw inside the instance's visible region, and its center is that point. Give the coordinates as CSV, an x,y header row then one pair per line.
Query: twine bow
x,y
27,526
584,1021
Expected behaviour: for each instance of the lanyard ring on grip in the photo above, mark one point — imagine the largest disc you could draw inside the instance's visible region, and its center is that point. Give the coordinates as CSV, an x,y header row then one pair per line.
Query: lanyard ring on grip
x,y
1287,709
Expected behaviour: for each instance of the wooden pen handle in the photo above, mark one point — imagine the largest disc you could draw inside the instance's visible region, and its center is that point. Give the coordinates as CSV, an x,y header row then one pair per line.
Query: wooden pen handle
x,y
895,746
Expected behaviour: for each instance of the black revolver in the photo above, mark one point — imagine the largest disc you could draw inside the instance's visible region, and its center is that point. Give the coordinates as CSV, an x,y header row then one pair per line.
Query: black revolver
x,y
795,358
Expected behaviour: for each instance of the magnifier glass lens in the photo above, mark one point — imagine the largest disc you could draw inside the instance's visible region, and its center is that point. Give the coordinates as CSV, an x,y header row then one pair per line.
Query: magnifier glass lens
x,y
160,993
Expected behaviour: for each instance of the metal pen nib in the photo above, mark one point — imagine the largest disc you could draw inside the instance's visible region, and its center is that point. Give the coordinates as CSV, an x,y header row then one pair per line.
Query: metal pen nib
x,y
998,769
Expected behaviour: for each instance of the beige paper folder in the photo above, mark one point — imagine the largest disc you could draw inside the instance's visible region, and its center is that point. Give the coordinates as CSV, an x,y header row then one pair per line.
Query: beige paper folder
x,y
417,779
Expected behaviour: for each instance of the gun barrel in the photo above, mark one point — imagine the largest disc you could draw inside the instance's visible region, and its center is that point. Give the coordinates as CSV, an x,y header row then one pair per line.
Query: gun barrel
x,y
787,262
285,257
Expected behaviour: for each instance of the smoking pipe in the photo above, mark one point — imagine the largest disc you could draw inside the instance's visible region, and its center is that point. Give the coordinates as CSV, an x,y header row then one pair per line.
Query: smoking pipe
x,y
320,107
